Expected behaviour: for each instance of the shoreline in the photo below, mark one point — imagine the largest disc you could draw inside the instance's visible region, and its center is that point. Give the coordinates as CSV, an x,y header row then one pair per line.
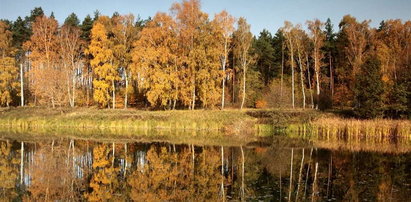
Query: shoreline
x,y
249,122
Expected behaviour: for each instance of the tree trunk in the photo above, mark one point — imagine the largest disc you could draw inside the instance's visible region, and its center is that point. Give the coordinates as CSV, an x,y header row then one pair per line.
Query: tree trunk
x,y
114,153
242,174
74,89
21,85
125,159
331,75
224,74
291,175
316,68
330,167
292,80
114,94
193,103
308,172
233,87
193,157
222,173
301,77
68,91
300,175
88,87
52,102
73,158
244,72
282,71
223,90
309,84
22,163
126,91
315,183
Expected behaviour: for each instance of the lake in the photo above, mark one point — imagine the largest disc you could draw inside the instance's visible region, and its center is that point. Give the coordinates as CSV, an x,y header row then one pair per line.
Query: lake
x,y
275,168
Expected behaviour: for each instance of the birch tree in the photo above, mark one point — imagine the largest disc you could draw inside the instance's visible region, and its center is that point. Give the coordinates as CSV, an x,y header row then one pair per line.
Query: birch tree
x,y
71,51
125,33
46,76
189,19
317,37
242,44
225,25
154,57
102,63
287,30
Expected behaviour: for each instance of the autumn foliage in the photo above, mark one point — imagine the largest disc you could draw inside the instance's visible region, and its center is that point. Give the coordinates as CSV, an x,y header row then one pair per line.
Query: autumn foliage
x,y
188,59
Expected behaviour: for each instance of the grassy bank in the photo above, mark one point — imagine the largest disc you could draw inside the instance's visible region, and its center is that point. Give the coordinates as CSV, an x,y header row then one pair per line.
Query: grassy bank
x,y
120,121
88,118
131,122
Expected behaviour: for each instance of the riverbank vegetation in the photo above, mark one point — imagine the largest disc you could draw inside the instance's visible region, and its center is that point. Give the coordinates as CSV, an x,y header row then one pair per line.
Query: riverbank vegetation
x,y
141,122
188,59
212,123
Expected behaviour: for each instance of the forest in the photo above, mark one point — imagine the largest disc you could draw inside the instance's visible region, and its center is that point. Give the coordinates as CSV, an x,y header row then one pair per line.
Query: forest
x,y
187,59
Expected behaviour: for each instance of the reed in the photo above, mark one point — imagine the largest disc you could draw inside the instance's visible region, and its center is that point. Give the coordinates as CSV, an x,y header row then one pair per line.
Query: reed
x,y
362,129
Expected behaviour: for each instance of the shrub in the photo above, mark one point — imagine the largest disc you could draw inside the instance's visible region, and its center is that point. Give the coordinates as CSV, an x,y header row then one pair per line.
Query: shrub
x,y
261,104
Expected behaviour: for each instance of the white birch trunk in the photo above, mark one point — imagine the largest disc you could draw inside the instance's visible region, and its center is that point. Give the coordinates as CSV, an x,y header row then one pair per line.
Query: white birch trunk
x,y
21,85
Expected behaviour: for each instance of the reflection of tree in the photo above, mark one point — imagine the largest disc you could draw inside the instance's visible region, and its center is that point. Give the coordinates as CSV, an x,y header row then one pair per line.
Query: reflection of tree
x,y
169,176
52,175
8,172
208,175
168,173
104,178
157,179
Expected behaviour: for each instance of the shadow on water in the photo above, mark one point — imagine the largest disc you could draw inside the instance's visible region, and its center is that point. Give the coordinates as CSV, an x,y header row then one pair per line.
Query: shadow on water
x,y
276,168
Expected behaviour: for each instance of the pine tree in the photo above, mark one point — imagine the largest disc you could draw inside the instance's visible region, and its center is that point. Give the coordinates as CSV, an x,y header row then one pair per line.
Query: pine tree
x,y
369,89
264,50
86,27
72,20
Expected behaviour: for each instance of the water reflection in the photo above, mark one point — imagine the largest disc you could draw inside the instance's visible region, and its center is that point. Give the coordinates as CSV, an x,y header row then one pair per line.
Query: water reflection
x,y
76,170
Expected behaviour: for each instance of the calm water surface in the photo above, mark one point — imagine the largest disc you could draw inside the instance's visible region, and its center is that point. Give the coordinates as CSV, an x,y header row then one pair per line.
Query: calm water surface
x,y
275,169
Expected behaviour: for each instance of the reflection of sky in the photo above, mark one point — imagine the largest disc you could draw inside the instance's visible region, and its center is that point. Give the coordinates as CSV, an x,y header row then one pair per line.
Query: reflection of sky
x,y
260,14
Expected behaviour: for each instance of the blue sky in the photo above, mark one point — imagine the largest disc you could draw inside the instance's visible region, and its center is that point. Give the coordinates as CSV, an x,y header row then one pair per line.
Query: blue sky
x,y
259,13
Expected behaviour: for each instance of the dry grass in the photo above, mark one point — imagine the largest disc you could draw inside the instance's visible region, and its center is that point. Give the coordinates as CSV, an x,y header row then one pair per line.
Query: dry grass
x,y
31,118
379,135
354,128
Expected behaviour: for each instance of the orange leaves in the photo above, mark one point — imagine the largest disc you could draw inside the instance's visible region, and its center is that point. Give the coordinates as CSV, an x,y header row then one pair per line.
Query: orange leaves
x,y
179,58
8,84
46,74
358,35
5,39
104,177
154,58
101,48
43,43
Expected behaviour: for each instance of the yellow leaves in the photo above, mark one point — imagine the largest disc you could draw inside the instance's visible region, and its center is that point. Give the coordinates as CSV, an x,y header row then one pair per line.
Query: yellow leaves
x,y
390,43
101,48
47,75
104,177
8,80
181,56
177,176
8,171
154,57
5,39
100,156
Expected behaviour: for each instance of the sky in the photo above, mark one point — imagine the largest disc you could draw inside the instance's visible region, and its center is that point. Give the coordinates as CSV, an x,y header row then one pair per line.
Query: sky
x,y
261,14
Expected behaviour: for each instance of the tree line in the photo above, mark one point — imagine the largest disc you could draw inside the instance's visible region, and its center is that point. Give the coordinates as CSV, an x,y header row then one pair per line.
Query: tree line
x,y
187,59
